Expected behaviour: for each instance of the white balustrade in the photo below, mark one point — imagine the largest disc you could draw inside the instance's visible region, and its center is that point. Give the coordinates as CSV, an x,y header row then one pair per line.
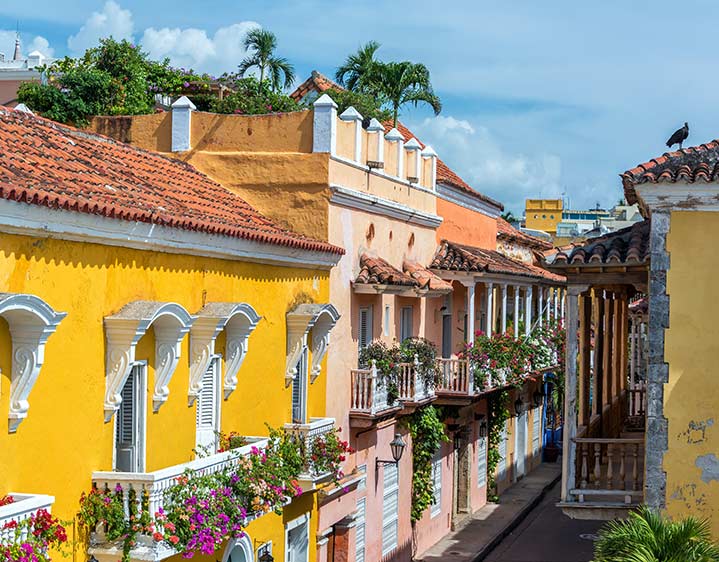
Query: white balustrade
x,y
454,377
368,395
307,433
22,508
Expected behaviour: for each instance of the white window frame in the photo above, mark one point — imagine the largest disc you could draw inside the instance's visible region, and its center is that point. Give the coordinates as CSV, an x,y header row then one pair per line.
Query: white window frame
x,y
394,519
403,313
216,364
301,520
245,543
302,379
436,507
141,390
386,321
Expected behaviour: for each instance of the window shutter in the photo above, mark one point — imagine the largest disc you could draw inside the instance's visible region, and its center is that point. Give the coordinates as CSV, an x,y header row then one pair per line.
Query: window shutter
x,y
360,533
502,464
298,390
206,415
127,428
406,323
365,327
390,509
482,461
536,429
436,484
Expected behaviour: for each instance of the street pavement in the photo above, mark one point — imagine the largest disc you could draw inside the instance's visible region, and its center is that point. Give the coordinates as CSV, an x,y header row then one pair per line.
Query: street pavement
x,y
547,535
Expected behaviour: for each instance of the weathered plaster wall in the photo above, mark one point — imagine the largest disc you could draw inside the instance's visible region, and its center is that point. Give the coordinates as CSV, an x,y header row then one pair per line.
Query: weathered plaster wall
x,y
691,394
465,226
64,438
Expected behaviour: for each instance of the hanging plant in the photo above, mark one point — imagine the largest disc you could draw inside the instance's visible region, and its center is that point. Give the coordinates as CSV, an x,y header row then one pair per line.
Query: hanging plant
x,y
30,539
497,415
425,353
428,434
386,359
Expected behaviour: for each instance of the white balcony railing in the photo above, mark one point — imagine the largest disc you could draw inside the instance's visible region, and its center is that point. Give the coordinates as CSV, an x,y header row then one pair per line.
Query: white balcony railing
x,y
369,395
22,508
307,433
412,387
150,487
455,377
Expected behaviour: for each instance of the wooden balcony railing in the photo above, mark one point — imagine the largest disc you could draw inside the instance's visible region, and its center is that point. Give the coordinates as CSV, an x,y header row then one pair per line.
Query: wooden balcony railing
x,y
609,470
22,508
455,377
637,401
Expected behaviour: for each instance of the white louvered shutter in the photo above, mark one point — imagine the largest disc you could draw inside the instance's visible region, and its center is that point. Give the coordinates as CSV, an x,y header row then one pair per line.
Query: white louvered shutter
x,y
481,462
536,429
126,427
365,327
390,509
360,530
406,323
298,390
436,485
502,464
207,410
298,540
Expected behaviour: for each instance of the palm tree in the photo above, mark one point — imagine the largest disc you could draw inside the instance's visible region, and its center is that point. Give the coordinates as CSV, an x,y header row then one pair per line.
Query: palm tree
x,y
405,82
356,72
263,43
647,537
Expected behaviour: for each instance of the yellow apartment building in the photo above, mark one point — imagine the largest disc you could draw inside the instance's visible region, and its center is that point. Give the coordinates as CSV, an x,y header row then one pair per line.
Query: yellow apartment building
x,y
543,214
144,309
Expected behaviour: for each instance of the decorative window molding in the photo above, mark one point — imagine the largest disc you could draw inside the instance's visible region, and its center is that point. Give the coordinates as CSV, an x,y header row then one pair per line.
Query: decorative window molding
x,y
124,329
318,318
32,321
238,320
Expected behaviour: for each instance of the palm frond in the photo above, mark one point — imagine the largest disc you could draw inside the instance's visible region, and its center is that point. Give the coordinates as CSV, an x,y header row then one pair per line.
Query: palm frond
x,y
355,73
248,63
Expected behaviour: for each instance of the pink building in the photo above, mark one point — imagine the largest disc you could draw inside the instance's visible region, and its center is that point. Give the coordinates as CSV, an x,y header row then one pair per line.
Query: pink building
x,y
16,70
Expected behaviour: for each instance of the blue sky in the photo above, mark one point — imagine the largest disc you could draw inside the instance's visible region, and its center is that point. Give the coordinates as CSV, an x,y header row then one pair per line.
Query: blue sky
x,y
540,98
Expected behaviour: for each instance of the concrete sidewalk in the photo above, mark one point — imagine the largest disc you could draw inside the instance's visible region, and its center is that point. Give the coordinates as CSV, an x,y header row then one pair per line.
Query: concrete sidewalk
x,y
488,526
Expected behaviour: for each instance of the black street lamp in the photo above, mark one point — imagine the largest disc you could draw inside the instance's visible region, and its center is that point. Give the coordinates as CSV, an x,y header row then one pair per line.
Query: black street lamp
x,y
397,446
537,397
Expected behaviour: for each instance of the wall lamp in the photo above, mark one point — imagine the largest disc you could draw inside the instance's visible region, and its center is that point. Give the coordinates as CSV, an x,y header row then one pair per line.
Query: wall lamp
x,y
397,446
537,397
482,425
518,406
266,557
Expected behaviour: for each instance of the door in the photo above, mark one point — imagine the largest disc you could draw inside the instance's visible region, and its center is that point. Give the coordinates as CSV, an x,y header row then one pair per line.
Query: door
x,y
130,423
207,417
299,391
364,330
298,540
447,336
520,445
481,461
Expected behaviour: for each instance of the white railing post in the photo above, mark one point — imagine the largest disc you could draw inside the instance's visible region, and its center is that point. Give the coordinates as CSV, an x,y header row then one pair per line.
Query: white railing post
x,y
324,125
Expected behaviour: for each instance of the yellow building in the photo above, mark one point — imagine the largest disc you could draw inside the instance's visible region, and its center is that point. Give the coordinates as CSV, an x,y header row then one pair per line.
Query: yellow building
x,y
543,214
144,309
664,454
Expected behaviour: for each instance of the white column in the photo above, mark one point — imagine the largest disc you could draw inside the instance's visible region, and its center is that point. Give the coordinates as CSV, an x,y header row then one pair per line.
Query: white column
x,y
528,310
351,114
516,312
375,127
182,124
393,135
470,311
555,303
562,300
504,307
549,305
540,303
490,308
324,125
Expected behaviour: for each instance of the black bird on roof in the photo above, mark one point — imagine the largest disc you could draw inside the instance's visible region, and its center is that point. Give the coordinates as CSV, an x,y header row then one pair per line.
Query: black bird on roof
x,y
679,136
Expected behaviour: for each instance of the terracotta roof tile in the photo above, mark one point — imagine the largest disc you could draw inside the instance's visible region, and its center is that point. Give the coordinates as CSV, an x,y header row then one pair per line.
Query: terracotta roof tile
x,y
377,271
316,82
508,232
44,163
425,278
458,257
693,164
628,246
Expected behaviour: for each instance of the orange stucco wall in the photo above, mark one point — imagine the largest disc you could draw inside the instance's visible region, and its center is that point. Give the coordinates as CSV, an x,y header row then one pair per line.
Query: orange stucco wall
x,y
466,227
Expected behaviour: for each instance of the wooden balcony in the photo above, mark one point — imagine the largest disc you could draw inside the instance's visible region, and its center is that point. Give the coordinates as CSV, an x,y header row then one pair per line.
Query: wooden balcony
x,y
22,508
610,478
145,491
307,433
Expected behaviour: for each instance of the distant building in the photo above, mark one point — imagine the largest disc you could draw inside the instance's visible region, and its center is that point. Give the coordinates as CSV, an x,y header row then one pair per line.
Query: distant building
x,y
16,70
543,214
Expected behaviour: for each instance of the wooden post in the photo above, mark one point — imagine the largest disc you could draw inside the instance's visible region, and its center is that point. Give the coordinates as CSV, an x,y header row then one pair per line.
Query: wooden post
x,y
585,347
516,312
599,355
569,464
607,360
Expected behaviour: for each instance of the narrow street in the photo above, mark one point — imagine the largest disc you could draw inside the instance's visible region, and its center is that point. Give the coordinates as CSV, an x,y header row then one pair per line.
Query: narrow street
x,y
547,535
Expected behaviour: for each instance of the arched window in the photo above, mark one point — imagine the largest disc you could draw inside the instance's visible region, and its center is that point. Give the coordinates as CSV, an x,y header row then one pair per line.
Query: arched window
x,y
239,550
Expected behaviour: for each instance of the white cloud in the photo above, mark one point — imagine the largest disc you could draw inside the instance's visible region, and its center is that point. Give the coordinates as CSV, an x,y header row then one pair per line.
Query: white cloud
x,y
111,21
482,160
192,47
37,43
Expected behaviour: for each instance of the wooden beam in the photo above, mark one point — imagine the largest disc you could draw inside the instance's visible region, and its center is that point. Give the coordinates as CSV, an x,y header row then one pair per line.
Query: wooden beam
x,y
585,358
